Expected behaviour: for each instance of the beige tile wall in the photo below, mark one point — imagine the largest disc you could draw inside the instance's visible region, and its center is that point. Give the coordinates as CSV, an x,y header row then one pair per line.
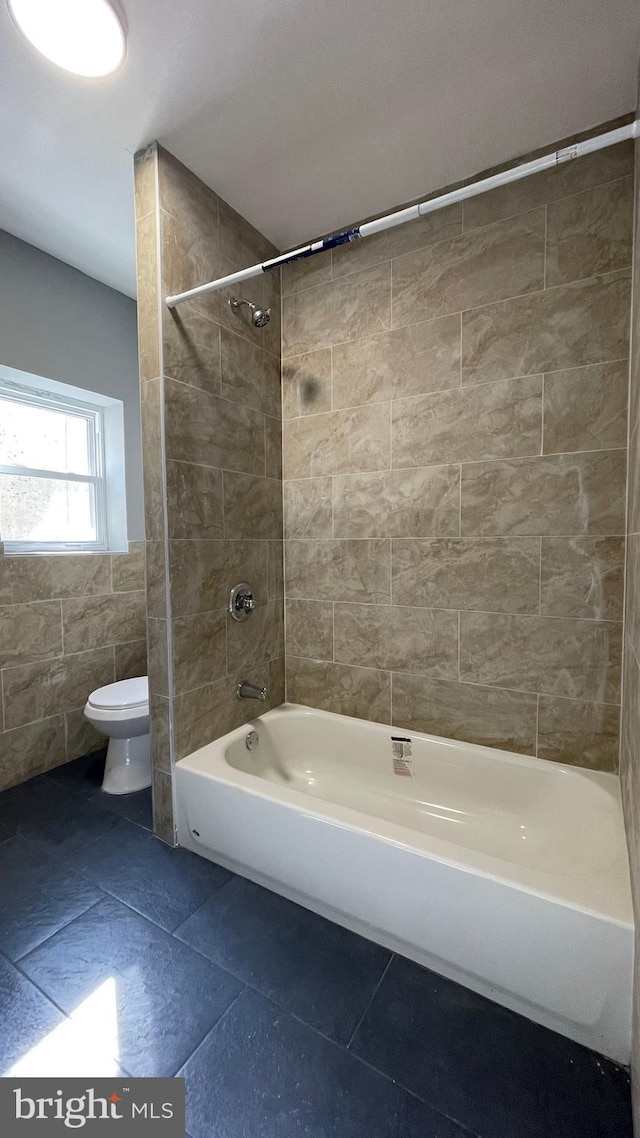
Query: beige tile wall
x,y
630,734
455,424
68,624
212,429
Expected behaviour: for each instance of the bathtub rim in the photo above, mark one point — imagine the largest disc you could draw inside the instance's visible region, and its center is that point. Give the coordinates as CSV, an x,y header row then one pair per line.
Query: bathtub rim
x,y
463,858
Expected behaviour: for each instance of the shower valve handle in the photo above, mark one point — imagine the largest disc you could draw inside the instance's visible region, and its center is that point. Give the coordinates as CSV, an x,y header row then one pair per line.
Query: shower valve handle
x,y
241,601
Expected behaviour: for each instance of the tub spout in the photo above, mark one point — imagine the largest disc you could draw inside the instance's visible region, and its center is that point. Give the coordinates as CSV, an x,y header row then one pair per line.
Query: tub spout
x,y
250,691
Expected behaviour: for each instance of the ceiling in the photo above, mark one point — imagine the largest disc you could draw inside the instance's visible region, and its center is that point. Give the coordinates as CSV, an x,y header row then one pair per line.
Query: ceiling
x,y
305,115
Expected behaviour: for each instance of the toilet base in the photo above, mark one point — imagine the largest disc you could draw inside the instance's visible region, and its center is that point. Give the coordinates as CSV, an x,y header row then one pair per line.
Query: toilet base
x,y
128,765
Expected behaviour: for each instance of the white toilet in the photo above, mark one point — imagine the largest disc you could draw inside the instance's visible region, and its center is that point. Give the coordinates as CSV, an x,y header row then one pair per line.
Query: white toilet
x,y
121,711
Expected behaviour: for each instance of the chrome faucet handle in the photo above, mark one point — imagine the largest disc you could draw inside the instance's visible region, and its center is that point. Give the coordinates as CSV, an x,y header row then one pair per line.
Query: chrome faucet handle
x,y
241,601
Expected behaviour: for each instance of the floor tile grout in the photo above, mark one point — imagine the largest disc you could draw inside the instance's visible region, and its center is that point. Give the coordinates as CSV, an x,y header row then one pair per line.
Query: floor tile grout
x,y
369,1003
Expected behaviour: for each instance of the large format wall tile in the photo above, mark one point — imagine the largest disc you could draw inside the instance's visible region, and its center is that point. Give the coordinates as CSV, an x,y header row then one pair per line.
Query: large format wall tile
x,y
147,277
240,240
250,376
205,429
273,447
476,268
208,712
199,646
6,583
46,577
128,569
186,197
188,259
214,446
568,326
474,714
82,736
161,732
364,693
259,639
590,232
46,677
156,580
275,570
306,273
498,420
338,570
398,503
158,656
151,400
557,182
504,371
27,751
277,682
307,507
338,442
131,657
584,734
632,600
390,637
394,365
578,659
554,494
204,572
31,632
582,576
586,408
194,501
41,690
633,503
252,506
111,619
413,235
306,384
309,629
191,348
145,182
492,574
338,311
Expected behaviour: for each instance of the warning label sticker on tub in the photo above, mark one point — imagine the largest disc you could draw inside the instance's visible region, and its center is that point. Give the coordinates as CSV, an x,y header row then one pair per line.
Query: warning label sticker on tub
x,y
401,755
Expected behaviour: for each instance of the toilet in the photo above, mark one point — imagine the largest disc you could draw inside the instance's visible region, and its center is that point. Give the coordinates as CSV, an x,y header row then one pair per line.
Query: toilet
x,y
121,711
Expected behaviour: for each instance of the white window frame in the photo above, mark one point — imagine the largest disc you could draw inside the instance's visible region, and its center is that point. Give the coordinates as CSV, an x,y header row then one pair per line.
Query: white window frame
x,y
105,420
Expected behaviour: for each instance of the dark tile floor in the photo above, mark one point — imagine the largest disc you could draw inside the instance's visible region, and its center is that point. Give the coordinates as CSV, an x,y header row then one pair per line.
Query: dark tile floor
x,y
119,954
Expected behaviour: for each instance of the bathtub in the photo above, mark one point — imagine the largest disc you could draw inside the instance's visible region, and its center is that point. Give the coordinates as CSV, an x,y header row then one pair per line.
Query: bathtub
x,y
505,873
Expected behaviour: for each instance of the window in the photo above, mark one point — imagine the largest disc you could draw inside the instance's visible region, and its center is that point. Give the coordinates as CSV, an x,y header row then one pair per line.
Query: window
x,y
61,467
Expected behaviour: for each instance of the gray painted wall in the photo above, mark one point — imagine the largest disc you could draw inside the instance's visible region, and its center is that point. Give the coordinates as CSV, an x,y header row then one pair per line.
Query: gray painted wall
x,y
59,323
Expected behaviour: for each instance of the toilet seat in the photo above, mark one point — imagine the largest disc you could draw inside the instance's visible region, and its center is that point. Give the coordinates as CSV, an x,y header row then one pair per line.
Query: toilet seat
x,y
122,696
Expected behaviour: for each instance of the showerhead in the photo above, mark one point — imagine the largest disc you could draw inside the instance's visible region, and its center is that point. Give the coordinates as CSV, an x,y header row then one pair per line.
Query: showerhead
x,y
259,316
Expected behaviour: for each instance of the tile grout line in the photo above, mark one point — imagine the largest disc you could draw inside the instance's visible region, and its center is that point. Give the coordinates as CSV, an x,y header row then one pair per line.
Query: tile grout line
x,y
370,1000
596,278
544,247
451,680
496,459
541,539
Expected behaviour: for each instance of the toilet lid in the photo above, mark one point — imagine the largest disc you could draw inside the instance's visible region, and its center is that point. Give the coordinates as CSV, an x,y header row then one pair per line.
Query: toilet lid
x,y
126,693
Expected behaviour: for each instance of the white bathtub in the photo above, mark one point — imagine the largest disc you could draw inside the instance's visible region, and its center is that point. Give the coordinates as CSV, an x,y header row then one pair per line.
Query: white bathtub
x,y
507,874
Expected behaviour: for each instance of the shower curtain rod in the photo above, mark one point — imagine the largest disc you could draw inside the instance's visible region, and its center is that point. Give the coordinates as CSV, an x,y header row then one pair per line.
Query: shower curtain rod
x,y
413,212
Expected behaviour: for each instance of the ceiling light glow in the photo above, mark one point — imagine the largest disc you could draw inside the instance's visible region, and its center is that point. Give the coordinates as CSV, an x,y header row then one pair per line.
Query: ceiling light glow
x,y
83,36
